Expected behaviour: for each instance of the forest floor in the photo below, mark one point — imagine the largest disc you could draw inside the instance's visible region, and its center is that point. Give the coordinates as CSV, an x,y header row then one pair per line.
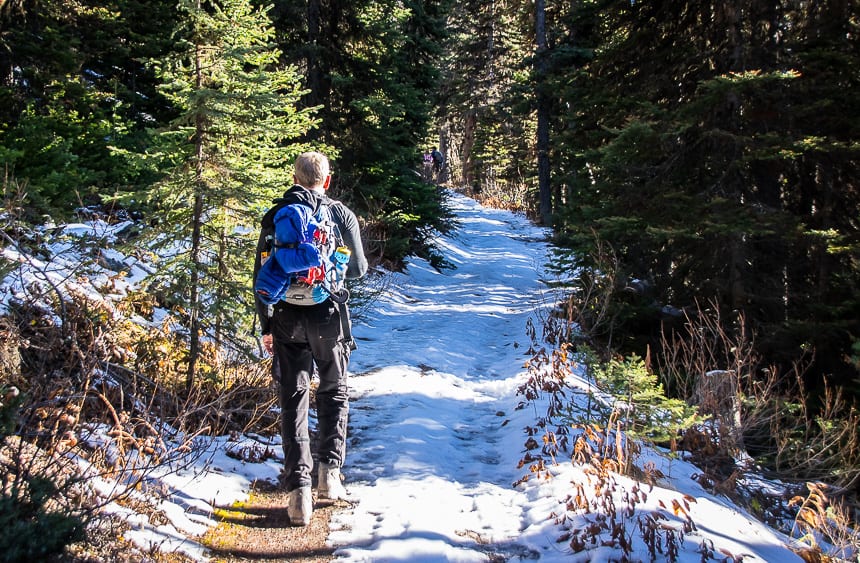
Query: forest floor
x,y
257,530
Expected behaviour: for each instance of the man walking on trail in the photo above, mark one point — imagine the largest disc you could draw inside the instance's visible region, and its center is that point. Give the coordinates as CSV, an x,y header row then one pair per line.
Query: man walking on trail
x,y
302,334
428,166
438,161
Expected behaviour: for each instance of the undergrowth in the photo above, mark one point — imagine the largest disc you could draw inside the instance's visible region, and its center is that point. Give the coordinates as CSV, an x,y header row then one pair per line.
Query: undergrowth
x,y
88,415
100,405
601,409
600,428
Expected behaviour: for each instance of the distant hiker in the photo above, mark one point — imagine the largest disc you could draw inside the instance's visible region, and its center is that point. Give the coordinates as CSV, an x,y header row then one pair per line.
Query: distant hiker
x,y
438,160
427,175
305,324
438,165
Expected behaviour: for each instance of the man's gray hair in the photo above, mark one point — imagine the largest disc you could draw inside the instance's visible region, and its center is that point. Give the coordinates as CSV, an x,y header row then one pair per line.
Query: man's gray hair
x,y
312,168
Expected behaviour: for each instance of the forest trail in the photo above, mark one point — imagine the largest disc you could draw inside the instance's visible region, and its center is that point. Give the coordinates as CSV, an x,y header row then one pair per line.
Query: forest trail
x,y
438,430
431,456
430,461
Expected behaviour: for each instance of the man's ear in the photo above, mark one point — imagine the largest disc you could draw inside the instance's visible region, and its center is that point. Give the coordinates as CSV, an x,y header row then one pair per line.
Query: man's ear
x,y
327,182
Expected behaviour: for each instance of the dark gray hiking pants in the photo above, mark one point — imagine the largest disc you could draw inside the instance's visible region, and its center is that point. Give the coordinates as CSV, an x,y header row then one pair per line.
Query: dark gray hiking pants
x,y
304,337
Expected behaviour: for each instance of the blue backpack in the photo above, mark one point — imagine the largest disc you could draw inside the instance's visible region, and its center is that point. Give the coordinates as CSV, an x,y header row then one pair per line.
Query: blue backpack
x,y
303,260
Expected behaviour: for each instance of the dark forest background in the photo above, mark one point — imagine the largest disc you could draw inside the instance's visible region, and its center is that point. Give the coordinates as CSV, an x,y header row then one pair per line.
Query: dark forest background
x,y
700,156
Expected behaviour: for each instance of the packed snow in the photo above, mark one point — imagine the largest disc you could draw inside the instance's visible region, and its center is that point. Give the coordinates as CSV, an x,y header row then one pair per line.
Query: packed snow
x,y
436,433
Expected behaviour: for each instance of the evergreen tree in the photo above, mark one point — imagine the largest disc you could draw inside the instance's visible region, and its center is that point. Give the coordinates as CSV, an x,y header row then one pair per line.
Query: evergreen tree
x,y
370,66
488,113
227,156
709,151
543,115
72,87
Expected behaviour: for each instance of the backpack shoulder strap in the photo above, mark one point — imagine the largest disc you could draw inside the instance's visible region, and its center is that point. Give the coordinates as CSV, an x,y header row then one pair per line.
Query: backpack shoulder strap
x,y
289,198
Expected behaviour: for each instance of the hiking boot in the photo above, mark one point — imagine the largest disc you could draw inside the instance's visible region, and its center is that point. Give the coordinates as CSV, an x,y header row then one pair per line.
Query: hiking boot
x,y
330,485
300,506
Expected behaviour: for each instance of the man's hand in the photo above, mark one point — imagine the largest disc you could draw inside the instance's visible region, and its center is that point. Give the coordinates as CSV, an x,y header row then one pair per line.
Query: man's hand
x,y
267,343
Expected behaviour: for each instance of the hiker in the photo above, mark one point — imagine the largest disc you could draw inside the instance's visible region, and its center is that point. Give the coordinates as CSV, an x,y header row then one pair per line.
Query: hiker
x,y
309,328
428,166
438,160
438,165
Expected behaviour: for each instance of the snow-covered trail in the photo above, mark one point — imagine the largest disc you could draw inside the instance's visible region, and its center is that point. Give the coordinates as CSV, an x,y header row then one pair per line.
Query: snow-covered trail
x,y
436,432
430,460
466,320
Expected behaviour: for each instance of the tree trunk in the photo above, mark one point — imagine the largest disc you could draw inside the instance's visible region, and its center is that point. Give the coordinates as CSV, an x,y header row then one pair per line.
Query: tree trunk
x,y
543,110
444,137
223,249
469,127
196,219
194,299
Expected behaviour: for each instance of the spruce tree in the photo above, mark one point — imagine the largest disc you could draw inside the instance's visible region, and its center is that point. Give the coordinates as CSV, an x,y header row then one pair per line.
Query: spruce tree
x,y
71,89
487,95
713,151
227,155
371,67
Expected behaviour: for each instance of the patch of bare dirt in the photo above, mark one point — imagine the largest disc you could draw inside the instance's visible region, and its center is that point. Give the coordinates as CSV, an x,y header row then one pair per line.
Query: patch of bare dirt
x,y
259,530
